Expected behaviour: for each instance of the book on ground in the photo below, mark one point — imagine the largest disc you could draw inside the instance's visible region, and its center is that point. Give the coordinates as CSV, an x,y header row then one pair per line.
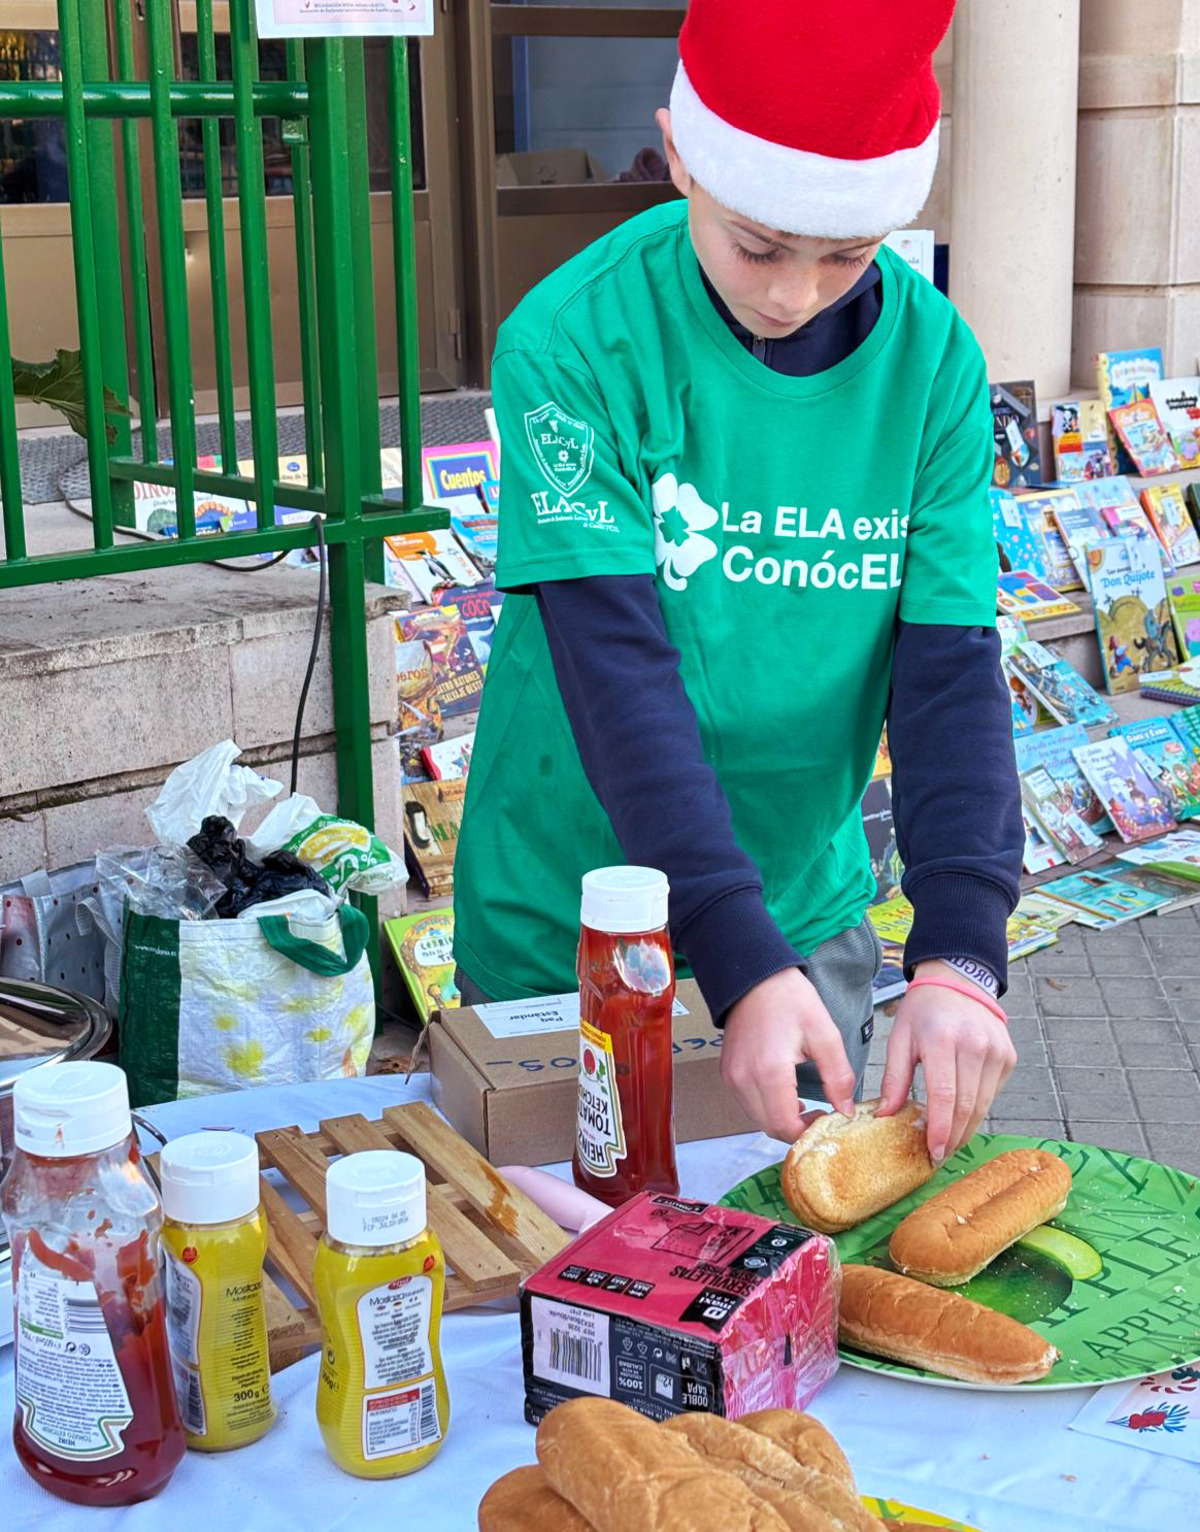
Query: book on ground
x,y
1145,441
1051,811
1168,513
1133,615
1183,592
1104,893
1121,378
1079,526
449,760
459,675
1186,723
1020,541
423,946
1066,695
1161,749
1021,594
1177,401
432,819
430,560
1015,430
1079,431
1176,855
1039,506
1137,806
1181,685
1055,749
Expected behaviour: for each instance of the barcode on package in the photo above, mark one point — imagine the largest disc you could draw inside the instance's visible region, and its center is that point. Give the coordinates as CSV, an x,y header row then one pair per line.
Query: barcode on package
x,y
570,1346
84,1317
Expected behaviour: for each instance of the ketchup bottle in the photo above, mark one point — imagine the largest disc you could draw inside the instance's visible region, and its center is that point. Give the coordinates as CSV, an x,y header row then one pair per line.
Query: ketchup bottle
x,y
96,1418
625,1129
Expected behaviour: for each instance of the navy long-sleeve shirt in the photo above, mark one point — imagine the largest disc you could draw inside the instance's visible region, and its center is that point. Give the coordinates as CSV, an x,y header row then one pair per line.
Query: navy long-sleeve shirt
x,y
954,788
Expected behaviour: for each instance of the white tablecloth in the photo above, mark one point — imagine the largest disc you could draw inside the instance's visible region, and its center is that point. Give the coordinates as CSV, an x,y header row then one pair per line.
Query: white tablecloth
x,y
1003,1462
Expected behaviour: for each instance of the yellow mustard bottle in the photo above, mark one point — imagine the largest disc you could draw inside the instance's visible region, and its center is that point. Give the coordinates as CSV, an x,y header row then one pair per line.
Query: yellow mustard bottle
x,y
215,1240
380,1278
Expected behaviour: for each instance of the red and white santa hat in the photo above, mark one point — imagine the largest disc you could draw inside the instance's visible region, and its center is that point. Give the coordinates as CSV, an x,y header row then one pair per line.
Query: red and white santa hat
x,y
811,118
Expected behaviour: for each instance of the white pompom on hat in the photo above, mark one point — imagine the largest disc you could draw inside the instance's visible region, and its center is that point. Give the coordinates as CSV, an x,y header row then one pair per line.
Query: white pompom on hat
x,y
811,119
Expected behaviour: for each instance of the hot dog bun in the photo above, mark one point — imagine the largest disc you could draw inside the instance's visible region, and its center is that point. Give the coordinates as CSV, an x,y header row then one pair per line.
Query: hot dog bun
x,y
841,1170
805,1438
523,1501
952,1237
892,1316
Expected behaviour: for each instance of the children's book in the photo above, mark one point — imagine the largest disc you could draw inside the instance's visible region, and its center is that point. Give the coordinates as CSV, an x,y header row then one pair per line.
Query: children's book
x,y
479,533
432,821
1168,513
431,560
1028,931
1165,754
1027,709
1065,693
448,760
424,950
1177,401
1059,824
1019,538
417,681
1181,685
1038,506
883,757
456,665
1055,913
1015,430
1079,526
1106,494
1121,378
476,609
454,475
1183,592
1137,806
1133,615
1021,594
1193,504
1054,750
1186,723
1141,433
881,839
1079,432
1104,893
1176,856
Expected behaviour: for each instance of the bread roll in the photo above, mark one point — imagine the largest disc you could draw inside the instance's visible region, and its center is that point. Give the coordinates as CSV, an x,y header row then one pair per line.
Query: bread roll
x,y
952,1237
523,1501
805,1497
621,1472
841,1170
892,1316
804,1438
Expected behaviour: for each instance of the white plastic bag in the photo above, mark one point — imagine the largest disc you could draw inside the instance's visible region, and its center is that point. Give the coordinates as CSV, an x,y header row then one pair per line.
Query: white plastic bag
x,y
346,854
208,784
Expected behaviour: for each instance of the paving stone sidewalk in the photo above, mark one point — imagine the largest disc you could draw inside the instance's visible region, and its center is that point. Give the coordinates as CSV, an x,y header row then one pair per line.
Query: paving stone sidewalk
x,y
1107,1028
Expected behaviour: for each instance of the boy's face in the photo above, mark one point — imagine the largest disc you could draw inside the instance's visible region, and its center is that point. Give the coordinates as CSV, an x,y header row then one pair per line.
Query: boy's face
x,y
770,281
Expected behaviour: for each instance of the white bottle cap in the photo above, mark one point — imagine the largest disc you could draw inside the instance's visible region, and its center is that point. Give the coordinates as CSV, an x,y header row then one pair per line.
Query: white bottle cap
x,y
624,899
209,1177
72,1108
375,1197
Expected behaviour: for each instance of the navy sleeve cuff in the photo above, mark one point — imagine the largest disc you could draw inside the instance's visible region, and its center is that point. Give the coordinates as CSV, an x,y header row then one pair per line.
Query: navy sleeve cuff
x,y
956,915
732,945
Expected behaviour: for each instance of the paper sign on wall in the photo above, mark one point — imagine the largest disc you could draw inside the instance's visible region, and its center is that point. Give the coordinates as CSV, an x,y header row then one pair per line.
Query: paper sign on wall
x,y
344,18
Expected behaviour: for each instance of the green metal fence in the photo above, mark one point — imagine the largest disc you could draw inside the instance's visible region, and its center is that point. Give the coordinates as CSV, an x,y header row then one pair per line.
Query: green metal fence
x,y
322,108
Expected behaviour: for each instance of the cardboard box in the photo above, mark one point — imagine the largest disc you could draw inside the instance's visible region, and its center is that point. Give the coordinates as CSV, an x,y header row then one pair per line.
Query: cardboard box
x,y
549,167
514,1097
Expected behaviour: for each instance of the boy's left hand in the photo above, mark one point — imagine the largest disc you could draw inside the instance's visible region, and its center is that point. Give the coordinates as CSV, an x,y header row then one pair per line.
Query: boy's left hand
x,y
965,1052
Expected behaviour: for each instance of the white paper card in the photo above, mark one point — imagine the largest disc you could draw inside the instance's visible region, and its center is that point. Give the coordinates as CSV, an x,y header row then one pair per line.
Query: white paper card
x,y
344,18
1159,1414
548,1013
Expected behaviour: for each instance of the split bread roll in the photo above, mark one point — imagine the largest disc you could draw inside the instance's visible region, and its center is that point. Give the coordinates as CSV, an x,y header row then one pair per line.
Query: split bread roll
x,y
808,1499
523,1501
841,1170
952,1237
804,1438
891,1316
621,1472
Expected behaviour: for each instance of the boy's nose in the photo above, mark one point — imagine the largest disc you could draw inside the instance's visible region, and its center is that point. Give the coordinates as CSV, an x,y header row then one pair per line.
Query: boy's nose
x,y
795,296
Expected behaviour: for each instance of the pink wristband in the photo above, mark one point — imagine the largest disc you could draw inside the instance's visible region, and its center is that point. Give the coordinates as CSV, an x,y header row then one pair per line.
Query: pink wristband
x,y
964,987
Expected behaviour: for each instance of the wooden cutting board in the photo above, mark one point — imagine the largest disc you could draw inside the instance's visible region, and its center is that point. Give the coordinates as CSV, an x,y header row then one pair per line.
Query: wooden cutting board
x,y
492,1234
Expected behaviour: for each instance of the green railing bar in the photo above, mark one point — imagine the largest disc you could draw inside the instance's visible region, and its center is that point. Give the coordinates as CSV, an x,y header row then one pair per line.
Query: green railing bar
x,y
169,193
294,496
256,280
214,196
106,235
135,556
130,98
404,256
10,458
367,360
84,255
305,296
138,278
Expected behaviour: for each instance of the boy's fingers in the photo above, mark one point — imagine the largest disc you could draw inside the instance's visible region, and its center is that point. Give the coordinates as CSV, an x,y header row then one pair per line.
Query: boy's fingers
x,y
828,1053
969,1082
941,1083
781,1116
897,1073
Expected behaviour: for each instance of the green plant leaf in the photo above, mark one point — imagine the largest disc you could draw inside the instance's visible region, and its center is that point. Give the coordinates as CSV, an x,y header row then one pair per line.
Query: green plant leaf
x,y
59,384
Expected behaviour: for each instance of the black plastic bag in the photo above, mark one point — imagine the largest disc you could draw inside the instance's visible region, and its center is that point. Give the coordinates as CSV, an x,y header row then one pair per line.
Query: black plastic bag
x,y
218,845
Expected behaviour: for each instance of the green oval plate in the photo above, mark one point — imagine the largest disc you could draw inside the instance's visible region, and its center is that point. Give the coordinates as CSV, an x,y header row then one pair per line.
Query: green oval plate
x,y
1135,1227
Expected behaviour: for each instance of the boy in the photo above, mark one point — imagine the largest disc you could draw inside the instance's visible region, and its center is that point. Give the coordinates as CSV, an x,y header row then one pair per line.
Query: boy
x,y
744,508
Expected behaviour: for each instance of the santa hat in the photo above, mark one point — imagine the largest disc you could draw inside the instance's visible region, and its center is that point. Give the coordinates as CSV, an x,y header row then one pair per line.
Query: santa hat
x,y
811,118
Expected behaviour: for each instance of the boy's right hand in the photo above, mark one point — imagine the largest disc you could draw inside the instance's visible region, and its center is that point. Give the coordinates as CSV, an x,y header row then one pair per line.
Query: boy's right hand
x,y
777,1025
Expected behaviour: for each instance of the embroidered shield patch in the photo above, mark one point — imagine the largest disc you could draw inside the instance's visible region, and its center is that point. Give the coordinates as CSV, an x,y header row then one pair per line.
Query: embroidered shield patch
x,y
562,447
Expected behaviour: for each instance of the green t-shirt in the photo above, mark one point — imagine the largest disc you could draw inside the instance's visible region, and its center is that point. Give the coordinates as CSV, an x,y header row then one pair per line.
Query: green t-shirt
x,y
788,522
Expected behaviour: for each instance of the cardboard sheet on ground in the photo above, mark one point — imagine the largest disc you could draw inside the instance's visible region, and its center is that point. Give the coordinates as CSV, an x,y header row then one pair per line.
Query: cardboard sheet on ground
x,y
1113,1283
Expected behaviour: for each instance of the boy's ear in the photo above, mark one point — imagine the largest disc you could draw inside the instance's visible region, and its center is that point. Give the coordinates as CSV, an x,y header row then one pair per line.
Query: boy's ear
x,y
679,171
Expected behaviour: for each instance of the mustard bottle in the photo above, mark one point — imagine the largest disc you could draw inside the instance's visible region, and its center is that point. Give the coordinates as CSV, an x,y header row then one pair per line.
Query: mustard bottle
x,y
380,1277
215,1238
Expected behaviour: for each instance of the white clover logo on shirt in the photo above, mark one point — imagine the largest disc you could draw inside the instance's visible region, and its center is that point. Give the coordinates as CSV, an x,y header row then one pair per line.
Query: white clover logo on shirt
x,y
681,519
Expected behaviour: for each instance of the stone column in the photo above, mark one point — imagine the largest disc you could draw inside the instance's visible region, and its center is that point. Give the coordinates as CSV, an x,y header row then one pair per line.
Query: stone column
x,y
1012,209
1137,268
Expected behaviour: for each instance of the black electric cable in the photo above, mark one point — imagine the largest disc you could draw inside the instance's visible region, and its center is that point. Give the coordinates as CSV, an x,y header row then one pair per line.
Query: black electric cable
x,y
316,645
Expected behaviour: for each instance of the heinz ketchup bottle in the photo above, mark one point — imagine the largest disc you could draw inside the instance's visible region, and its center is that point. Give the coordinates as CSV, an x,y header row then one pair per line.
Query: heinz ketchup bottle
x,y
625,1134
